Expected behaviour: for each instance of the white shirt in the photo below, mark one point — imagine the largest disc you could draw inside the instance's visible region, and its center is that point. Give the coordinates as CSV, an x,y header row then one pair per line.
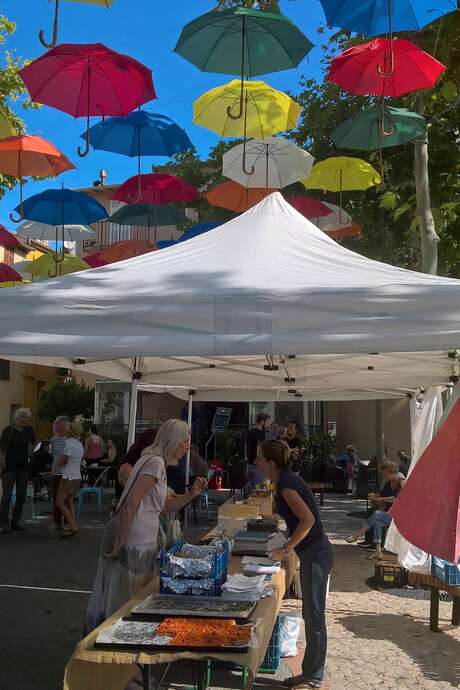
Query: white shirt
x,y
144,527
73,450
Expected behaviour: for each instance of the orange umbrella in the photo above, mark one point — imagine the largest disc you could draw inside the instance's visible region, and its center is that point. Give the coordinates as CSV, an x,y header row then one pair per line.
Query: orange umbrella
x,y
31,155
353,230
126,249
235,197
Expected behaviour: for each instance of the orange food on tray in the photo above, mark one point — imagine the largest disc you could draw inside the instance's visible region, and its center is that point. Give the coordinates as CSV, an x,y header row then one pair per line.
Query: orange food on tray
x,y
204,632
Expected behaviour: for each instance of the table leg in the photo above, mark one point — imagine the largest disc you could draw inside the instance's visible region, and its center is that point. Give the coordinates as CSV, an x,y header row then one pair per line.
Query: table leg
x,y
456,611
146,676
434,610
162,677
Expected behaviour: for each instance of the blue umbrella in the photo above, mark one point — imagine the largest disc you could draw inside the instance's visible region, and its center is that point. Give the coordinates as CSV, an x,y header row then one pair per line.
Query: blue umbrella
x,y
375,17
199,229
62,207
163,244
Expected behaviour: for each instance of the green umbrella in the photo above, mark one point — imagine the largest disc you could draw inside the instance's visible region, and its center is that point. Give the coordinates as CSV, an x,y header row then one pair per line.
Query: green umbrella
x,y
242,41
148,215
372,130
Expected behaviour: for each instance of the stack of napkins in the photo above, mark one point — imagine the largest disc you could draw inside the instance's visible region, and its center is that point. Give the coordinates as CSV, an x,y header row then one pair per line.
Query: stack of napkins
x,y
241,588
255,565
257,543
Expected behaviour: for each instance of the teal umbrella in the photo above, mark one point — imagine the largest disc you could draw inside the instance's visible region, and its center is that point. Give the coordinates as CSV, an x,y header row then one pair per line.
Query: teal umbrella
x,y
245,42
149,216
372,130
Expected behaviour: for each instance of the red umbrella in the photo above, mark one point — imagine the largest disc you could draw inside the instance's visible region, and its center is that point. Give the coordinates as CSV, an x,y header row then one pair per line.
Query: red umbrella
x,y
427,512
7,239
155,188
9,275
309,207
88,79
366,69
94,260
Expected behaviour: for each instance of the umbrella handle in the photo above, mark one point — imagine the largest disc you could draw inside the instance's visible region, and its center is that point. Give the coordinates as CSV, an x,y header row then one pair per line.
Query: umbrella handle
x,y
59,258
240,110
383,131
13,219
21,202
41,35
83,153
247,172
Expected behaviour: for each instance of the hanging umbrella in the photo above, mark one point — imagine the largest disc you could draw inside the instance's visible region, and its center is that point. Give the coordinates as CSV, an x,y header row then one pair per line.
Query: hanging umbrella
x,y
52,43
43,266
353,230
119,251
22,267
374,17
139,134
273,162
235,197
6,128
9,275
363,130
337,219
44,232
156,188
7,239
309,207
164,244
199,229
148,216
94,260
61,207
242,41
342,174
25,155
88,79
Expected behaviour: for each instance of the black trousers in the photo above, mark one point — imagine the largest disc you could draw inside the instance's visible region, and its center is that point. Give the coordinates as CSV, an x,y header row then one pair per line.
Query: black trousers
x,y
9,479
315,567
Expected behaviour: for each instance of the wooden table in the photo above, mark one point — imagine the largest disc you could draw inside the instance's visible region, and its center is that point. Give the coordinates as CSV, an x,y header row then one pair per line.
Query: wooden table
x,y
436,585
320,488
96,669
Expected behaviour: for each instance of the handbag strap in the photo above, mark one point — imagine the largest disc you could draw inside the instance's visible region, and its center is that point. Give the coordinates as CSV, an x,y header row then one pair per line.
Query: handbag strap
x,y
136,471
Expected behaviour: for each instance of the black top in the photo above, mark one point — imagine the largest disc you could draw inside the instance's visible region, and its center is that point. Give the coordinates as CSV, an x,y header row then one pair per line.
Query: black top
x,y
254,437
41,461
16,445
316,539
293,442
388,491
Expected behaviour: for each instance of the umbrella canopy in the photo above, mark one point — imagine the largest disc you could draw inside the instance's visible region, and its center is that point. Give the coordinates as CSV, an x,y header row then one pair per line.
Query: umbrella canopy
x,y
7,239
242,41
88,79
337,219
374,17
266,110
119,251
363,131
45,267
366,70
199,229
94,260
63,207
52,43
22,267
430,518
309,207
235,197
164,244
148,215
43,232
6,128
8,274
353,230
155,188
139,134
341,174
270,162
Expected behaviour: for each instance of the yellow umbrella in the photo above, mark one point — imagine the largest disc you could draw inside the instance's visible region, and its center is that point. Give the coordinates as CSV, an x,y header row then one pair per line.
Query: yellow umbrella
x,y
10,283
102,3
46,267
6,128
341,174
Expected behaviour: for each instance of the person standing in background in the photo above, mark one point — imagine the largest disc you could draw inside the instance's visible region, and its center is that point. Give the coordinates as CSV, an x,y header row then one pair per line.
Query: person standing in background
x,y
254,438
94,447
16,444
60,427
69,486
294,443
403,462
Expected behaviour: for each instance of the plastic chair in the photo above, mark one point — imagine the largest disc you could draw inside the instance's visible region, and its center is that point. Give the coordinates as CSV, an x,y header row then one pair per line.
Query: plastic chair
x,y
95,490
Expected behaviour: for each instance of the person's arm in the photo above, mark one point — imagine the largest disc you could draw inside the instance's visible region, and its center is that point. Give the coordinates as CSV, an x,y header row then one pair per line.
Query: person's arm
x,y
4,438
63,460
306,522
175,502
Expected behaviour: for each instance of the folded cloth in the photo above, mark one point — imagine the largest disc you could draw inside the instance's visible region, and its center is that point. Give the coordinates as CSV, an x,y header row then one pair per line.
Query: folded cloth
x,y
241,583
254,569
258,560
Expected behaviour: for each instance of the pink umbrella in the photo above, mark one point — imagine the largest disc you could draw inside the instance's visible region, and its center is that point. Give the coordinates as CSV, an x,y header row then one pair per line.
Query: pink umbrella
x,y
155,188
9,275
427,512
94,260
88,79
7,239
309,207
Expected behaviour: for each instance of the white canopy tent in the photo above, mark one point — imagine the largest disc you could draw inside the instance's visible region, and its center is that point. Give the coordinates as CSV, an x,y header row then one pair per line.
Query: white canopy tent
x,y
263,307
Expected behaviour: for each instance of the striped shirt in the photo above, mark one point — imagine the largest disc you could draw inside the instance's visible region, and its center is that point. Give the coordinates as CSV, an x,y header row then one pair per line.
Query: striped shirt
x,y
57,449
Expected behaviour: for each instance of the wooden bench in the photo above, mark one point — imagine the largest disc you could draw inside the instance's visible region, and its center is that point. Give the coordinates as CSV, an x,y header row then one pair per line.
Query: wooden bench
x,y
320,488
436,585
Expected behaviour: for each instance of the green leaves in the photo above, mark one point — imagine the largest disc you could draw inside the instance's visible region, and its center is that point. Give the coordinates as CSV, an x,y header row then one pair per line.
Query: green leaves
x,y
65,397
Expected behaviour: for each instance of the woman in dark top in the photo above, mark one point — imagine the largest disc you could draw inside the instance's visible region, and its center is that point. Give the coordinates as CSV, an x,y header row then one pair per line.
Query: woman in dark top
x,y
381,518
297,505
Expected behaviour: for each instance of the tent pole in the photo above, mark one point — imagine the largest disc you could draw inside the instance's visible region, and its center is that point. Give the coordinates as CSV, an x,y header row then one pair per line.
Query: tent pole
x,y
379,436
189,422
136,375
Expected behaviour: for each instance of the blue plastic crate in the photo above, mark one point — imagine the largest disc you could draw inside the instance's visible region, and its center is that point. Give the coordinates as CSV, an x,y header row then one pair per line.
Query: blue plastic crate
x,y
272,660
445,571
218,575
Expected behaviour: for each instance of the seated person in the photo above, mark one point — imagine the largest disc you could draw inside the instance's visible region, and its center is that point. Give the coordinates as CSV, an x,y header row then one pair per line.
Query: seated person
x,y
110,453
382,502
404,462
41,462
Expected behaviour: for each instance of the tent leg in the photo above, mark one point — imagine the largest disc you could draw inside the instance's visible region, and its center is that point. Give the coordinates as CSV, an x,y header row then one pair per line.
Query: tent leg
x,y
189,422
379,435
133,409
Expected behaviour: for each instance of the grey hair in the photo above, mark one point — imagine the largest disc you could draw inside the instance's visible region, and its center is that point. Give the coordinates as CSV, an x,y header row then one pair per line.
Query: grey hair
x,y
171,435
22,413
62,418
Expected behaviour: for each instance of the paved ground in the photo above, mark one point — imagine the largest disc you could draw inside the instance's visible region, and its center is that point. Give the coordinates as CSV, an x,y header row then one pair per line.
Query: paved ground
x,y
376,640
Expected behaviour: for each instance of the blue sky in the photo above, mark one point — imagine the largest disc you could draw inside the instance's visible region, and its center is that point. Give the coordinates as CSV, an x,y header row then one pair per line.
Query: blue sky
x,y
147,30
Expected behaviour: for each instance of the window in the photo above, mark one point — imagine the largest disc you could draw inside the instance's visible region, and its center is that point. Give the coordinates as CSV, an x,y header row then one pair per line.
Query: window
x,y
8,256
4,370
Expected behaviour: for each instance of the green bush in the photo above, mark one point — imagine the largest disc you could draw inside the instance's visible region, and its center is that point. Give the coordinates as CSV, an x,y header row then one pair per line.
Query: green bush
x,y
65,397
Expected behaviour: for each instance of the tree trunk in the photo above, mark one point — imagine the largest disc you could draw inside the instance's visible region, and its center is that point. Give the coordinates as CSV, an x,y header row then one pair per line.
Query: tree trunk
x,y
379,436
428,236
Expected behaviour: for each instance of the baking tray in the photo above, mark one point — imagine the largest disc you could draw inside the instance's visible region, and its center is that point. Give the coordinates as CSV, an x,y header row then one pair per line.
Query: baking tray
x,y
138,636
191,606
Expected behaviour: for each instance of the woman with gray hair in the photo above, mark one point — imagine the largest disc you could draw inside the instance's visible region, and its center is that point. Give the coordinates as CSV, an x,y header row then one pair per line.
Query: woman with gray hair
x,y
16,442
145,496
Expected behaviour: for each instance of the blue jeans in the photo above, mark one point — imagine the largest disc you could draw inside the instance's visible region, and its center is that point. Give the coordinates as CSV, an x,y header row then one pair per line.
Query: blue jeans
x,y
378,520
314,572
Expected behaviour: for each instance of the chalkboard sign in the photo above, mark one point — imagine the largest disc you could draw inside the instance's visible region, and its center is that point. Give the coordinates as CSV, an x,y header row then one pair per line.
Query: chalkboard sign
x,y
221,420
